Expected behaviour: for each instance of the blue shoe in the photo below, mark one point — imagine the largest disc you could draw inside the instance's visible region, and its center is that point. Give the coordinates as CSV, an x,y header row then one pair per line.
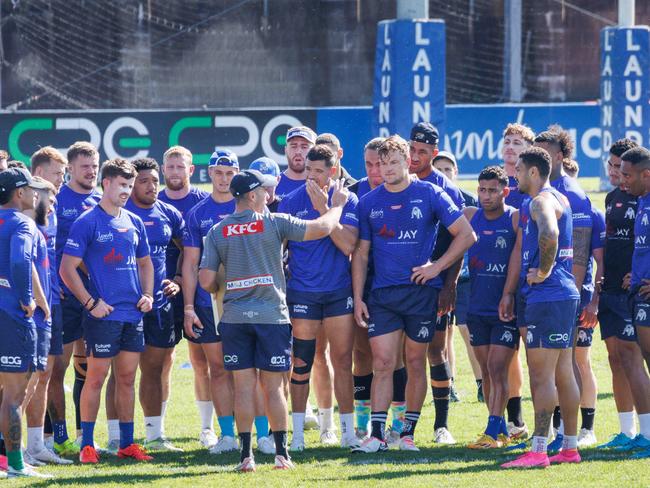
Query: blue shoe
x,y
641,454
639,442
556,445
521,445
617,440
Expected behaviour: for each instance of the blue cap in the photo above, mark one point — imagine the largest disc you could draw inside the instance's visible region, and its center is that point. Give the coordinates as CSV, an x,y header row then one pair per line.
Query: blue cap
x,y
266,166
224,157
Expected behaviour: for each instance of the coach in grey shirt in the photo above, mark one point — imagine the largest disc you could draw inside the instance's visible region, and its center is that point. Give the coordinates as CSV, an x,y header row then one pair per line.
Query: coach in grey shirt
x,y
255,328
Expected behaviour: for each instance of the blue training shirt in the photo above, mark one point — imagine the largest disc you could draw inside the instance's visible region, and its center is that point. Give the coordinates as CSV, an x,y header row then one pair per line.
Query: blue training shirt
x,y
318,265
162,223
641,256
49,232
17,235
402,228
198,222
183,205
488,260
287,185
560,285
578,200
109,247
515,198
42,264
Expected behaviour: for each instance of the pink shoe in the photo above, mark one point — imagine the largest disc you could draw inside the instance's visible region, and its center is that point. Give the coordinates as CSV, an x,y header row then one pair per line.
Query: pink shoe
x,y
4,463
529,460
566,456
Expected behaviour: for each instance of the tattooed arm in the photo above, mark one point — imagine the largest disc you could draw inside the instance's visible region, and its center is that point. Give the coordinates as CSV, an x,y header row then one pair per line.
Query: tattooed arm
x,y
581,253
543,211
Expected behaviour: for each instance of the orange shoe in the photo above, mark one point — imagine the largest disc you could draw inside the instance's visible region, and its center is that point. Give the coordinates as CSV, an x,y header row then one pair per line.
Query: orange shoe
x,y
135,451
88,455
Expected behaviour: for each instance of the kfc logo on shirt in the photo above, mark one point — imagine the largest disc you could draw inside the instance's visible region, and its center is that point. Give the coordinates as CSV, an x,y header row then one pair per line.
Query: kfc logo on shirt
x,y
243,229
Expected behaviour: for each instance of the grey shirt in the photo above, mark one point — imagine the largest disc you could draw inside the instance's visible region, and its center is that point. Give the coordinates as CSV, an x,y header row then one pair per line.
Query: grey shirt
x,y
249,245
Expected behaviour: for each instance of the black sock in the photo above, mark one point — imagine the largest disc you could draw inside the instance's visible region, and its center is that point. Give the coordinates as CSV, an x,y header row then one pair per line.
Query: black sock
x,y
441,404
362,385
280,438
378,423
246,447
47,426
514,410
3,449
557,418
79,380
410,421
479,383
399,385
588,416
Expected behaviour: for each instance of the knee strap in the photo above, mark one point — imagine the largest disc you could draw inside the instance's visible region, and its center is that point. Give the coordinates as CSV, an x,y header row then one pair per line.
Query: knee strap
x,y
440,372
305,350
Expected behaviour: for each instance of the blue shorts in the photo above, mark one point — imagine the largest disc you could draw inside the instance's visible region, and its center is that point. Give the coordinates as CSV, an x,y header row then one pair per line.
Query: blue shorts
x,y
444,321
487,330
17,347
159,327
56,342
520,309
178,308
317,305
462,302
640,311
411,308
551,325
585,337
107,338
208,334
43,339
73,319
262,346
615,317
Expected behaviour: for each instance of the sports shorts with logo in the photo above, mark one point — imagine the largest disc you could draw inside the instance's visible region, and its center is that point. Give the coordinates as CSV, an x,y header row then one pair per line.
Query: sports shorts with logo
x,y
208,334
615,317
43,338
106,338
73,318
160,327
485,330
411,308
551,325
56,343
640,311
18,345
316,305
262,346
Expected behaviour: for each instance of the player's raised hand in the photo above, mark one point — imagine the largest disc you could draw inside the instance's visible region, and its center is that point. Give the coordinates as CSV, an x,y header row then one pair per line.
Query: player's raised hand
x,y
318,196
341,194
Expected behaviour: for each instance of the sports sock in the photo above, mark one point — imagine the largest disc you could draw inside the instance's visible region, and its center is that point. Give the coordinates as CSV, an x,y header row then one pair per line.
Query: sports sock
x,y
15,459
227,425
126,434
398,411
410,422
400,378
347,424
80,367
298,420
326,419
47,425
628,426
441,404
378,422
87,432
362,414
152,427
557,418
644,425
246,445
163,412
280,438
206,411
113,429
514,411
570,442
539,443
493,426
479,383
504,427
560,431
35,442
261,426
60,430
588,415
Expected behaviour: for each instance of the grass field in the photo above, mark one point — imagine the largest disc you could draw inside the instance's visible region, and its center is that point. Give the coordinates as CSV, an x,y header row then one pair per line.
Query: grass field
x,y
432,466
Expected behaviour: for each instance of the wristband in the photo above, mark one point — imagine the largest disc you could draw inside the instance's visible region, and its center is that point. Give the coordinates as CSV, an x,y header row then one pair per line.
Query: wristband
x,y
188,307
148,295
88,301
94,305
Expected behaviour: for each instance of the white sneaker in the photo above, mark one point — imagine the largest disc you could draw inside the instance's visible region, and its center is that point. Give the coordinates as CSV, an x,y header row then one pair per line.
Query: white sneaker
x,y
329,438
406,444
311,421
371,444
282,462
26,472
47,456
266,445
208,438
443,436
519,433
112,447
392,439
225,444
29,459
350,441
3,474
297,444
586,438
246,466
361,434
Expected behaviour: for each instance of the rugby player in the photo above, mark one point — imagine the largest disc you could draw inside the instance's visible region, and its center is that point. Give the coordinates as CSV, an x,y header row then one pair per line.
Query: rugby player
x,y
399,222
493,340
331,141
267,166
614,316
17,307
75,197
635,172
299,141
255,326
423,147
177,169
112,244
319,296
199,324
164,226
551,299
